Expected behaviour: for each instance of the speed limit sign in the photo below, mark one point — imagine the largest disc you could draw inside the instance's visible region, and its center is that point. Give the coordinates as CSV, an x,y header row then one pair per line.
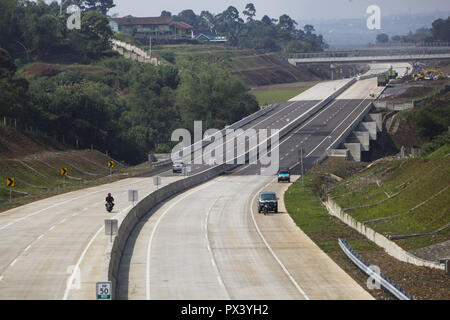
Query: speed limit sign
x,y
104,291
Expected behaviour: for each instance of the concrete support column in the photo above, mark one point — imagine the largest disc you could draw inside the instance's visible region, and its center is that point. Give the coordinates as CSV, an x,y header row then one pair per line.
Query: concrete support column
x,y
371,127
354,151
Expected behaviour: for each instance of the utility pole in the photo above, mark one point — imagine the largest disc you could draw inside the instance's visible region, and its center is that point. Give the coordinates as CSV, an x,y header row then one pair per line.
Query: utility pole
x,y
150,45
302,167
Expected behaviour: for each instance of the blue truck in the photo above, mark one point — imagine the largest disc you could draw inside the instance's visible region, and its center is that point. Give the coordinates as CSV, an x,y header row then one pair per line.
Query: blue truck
x,y
284,175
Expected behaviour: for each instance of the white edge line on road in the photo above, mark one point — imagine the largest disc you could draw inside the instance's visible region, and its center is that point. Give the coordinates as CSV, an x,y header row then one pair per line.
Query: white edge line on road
x,y
152,235
77,266
13,263
268,246
219,277
70,280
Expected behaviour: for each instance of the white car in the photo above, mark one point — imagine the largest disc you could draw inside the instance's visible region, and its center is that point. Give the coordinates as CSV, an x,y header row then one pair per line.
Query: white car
x,y
177,166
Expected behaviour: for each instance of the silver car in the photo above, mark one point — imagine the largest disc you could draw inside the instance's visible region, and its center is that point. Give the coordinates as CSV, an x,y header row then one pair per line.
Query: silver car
x,y
177,166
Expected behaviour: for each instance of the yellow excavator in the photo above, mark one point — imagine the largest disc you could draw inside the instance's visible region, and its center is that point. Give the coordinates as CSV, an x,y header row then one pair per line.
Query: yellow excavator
x,y
429,74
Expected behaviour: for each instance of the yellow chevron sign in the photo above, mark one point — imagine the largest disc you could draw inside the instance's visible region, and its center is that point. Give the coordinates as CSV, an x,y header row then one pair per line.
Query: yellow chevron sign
x,y
110,164
64,171
10,182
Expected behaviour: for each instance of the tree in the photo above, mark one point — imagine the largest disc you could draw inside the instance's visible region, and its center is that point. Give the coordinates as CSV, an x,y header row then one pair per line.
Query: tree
x,y
187,16
94,35
286,23
102,6
13,91
249,12
382,38
266,20
441,29
207,19
165,13
309,29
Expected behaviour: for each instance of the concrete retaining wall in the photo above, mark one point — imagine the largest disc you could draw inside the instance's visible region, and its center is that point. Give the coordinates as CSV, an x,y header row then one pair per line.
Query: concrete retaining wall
x,y
342,153
389,246
393,106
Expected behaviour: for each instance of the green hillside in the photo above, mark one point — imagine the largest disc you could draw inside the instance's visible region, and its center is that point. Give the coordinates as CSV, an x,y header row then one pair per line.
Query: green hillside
x,y
402,198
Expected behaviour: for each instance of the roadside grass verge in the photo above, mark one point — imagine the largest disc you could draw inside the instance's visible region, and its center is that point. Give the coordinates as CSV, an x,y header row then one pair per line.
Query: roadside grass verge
x,y
314,220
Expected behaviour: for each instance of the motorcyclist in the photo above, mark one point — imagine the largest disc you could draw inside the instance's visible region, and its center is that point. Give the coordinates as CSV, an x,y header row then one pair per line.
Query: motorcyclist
x,y
110,199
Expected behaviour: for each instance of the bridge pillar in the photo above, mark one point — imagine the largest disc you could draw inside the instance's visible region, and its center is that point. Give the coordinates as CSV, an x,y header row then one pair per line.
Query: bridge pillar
x,y
354,149
371,127
377,117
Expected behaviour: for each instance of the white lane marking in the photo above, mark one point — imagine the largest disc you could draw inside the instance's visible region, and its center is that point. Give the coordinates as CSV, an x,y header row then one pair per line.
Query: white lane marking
x,y
85,209
51,228
152,235
80,260
63,220
77,267
27,248
13,263
209,247
220,281
1,278
268,246
40,237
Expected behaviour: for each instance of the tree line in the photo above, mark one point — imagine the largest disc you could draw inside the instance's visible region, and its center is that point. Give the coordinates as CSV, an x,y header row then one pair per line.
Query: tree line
x,y
282,34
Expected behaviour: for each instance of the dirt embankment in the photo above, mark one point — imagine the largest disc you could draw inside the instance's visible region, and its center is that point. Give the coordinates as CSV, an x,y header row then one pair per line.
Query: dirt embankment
x,y
15,144
257,69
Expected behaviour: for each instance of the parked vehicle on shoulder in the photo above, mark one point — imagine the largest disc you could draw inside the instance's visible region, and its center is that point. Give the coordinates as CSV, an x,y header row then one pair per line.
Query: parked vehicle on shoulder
x,y
268,201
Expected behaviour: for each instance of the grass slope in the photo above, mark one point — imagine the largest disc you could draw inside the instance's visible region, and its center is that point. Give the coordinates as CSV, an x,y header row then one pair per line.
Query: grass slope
x,y
414,192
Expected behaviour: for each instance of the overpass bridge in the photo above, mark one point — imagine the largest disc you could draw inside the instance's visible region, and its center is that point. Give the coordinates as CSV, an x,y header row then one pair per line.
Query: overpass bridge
x,y
368,59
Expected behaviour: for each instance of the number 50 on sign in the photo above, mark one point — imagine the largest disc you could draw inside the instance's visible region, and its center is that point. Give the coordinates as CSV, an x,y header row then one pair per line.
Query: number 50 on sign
x,y
104,291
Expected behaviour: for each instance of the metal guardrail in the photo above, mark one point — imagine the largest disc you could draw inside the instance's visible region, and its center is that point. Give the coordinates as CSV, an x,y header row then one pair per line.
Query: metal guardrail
x,y
362,264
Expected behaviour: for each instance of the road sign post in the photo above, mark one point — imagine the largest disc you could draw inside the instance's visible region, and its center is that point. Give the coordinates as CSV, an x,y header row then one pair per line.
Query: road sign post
x,y
10,183
111,228
301,162
64,172
157,181
104,290
110,166
133,196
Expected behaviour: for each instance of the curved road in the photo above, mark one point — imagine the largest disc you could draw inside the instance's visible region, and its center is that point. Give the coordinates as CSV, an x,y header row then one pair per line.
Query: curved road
x,y
210,243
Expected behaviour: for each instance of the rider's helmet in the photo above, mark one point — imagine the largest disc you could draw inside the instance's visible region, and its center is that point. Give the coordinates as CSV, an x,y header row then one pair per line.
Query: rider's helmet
x,y
109,194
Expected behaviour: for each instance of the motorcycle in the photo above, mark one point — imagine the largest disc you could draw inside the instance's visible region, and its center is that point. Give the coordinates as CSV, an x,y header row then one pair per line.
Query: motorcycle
x,y
265,208
109,206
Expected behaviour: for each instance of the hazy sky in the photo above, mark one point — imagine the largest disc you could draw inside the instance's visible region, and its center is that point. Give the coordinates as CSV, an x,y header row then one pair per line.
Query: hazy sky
x,y
297,9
